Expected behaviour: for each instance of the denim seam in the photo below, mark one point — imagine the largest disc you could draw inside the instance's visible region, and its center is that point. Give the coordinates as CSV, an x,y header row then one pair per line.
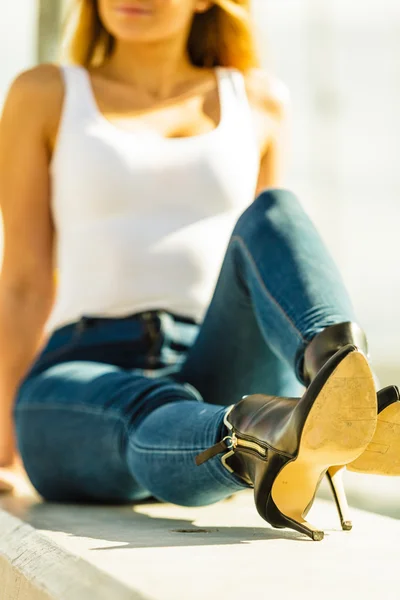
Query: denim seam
x,y
73,407
219,476
240,240
151,450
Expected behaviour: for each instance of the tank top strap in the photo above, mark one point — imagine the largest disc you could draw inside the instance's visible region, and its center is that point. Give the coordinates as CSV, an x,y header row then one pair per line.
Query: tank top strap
x,y
233,95
235,107
78,98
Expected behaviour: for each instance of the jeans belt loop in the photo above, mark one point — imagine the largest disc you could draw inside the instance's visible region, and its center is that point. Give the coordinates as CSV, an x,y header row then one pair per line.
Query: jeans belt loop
x,y
151,328
167,326
84,323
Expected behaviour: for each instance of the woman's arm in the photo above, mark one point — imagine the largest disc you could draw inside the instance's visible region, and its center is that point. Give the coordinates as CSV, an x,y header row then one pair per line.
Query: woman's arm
x,y
269,99
26,280
274,159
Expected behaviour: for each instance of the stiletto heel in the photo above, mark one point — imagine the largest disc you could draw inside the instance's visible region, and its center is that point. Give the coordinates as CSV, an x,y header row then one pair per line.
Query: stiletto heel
x,y
292,520
283,448
302,526
335,478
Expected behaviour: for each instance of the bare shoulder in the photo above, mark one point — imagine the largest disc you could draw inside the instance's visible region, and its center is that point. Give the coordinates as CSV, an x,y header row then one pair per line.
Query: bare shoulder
x,y
41,82
36,95
45,74
267,93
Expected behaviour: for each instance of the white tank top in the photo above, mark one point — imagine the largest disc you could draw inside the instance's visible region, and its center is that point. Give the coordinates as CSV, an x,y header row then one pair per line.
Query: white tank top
x,y
143,222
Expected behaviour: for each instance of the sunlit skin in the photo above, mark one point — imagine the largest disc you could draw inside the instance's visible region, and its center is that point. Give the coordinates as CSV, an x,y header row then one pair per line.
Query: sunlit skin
x,y
148,82
151,21
170,96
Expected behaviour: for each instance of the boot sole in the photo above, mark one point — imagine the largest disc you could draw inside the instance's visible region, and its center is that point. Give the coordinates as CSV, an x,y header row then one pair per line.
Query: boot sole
x,y
340,425
382,455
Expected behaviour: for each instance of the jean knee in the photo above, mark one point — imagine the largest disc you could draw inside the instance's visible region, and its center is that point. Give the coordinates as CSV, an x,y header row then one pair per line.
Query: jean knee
x,y
256,215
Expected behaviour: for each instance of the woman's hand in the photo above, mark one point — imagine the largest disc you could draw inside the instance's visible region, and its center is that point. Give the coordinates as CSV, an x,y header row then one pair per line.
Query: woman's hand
x,y
12,476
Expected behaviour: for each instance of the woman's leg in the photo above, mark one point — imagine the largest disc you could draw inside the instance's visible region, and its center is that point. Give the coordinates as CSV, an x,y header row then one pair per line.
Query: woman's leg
x,y
278,288
77,425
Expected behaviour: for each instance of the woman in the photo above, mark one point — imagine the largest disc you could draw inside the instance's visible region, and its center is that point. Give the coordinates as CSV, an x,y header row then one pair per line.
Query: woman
x,y
135,165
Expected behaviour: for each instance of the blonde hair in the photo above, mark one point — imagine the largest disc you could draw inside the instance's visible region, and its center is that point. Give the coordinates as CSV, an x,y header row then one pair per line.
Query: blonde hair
x,y
222,36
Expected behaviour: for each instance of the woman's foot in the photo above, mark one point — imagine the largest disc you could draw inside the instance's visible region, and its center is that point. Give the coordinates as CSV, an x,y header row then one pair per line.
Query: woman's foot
x,y
283,448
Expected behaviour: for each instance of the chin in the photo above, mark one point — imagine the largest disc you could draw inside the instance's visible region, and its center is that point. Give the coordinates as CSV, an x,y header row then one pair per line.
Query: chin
x,y
129,36
134,32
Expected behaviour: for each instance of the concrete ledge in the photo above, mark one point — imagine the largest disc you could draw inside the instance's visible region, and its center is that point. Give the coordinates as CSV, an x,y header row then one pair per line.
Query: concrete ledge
x,y
164,552
33,567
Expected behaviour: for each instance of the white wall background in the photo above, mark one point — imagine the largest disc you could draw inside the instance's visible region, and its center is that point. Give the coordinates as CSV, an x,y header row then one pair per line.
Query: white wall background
x,y
17,39
341,61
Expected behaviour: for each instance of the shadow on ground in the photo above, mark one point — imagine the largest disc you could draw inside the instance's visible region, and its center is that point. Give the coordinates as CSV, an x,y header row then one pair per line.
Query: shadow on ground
x,y
130,528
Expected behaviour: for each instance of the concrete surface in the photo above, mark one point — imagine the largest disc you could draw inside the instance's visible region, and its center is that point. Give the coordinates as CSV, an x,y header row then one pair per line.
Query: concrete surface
x,y
164,552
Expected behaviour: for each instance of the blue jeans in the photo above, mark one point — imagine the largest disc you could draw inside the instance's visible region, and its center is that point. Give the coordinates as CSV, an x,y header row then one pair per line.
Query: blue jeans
x,y
115,410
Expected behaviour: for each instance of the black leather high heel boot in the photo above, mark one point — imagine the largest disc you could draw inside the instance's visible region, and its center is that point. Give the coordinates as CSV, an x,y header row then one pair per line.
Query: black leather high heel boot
x,y
283,448
327,342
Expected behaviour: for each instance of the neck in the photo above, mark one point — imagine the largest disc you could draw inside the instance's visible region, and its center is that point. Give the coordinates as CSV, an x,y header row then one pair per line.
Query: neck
x,y
157,68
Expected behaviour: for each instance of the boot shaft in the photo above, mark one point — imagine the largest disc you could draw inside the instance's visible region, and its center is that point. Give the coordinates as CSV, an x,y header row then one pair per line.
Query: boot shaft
x,y
326,343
